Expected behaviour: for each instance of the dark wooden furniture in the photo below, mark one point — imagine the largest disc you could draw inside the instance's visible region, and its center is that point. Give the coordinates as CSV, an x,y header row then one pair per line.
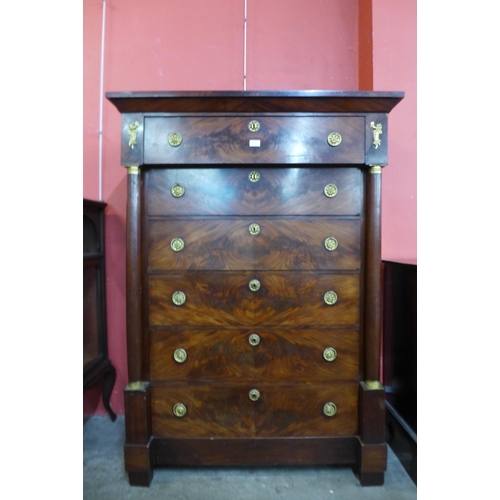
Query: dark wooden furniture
x,y
400,360
254,279
96,365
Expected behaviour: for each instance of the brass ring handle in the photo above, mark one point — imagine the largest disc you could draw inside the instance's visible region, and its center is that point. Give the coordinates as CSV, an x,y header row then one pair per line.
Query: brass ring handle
x,y
330,354
254,229
334,139
177,190
178,298
177,244
331,244
179,410
254,285
175,139
254,339
254,176
254,126
330,298
254,395
330,409
180,355
330,190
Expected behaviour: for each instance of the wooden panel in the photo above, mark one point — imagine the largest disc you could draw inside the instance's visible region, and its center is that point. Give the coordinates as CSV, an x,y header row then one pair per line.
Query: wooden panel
x,y
223,299
255,451
280,355
226,244
215,411
298,355
279,191
211,355
225,139
298,410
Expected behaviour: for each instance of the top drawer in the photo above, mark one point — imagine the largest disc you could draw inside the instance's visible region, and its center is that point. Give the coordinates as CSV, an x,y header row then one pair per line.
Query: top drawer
x,y
267,139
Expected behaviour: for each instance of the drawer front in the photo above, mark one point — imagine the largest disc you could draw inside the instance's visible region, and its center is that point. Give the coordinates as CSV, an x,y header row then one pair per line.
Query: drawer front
x,y
225,299
218,410
292,410
278,244
256,354
294,139
212,411
278,191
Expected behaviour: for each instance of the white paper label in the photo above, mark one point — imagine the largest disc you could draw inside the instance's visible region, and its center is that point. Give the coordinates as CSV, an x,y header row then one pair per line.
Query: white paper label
x,y
254,143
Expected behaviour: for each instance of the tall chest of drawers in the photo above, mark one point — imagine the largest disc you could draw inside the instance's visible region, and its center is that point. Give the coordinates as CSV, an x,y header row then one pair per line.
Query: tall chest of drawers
x,y
253,279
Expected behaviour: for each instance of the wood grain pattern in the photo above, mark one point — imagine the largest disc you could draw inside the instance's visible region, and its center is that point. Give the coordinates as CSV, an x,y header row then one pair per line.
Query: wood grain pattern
x,y
226,244
281,355
292,139
212,411
220,410
298,410
279,191
256,451
224,299
256,101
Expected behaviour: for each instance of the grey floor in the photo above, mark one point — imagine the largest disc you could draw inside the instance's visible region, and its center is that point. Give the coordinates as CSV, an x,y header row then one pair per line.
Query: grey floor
x,y
104,476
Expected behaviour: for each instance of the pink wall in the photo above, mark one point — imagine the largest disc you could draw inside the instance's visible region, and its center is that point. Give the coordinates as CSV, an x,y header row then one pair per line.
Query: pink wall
x,y
395,68
193,45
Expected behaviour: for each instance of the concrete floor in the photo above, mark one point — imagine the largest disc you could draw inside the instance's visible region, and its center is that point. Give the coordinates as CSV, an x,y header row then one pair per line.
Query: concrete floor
x,y
104,476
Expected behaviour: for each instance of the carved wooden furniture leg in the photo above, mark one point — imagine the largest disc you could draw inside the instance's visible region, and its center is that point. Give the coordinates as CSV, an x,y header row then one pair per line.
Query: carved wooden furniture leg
x,y
107,388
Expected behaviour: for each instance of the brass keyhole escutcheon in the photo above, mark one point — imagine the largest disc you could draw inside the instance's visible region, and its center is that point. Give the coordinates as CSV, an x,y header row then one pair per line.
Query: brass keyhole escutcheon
x,y
177,190
178,298
180,355
330,354
254,229
330,409
177,244
334,139
179,410
254,176
254,126
331,244
330,190
254,339
254,395
330,298
254,285
175,139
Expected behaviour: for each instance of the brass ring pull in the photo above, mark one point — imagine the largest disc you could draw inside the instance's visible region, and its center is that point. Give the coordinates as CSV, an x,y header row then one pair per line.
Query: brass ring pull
x,y
254,395
254,339
254,229
177,244
254,126
330,298
330,190
180,355
175,139
178,298
331,244
254,285
179,410
334,139
330,409
177,190
254,176
330,354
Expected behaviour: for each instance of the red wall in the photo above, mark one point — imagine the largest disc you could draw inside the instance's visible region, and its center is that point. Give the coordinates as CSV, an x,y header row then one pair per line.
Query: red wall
x,y
193,45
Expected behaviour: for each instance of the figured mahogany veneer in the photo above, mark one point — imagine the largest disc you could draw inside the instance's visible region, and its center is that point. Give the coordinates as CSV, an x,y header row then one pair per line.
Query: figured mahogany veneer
x,y
291,139
223,299
285,355
227,411
279,191
277,374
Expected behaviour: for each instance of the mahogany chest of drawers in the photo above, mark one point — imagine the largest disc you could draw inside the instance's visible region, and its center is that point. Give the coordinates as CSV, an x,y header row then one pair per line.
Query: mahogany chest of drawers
x,y
253,279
